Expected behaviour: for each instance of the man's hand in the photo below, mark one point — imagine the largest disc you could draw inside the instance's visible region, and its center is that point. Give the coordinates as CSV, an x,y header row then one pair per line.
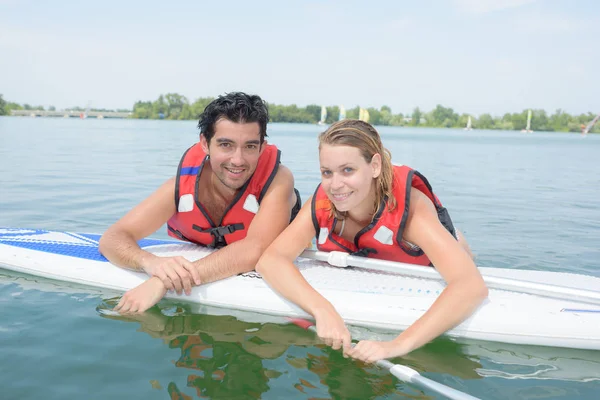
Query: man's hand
x,y
176,273
142,297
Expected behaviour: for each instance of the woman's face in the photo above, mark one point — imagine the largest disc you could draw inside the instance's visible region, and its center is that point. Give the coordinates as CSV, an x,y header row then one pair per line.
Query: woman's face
x,y
346,177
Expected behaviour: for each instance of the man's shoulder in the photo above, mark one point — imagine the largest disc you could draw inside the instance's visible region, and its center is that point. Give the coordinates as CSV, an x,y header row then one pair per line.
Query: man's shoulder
x,y
284,175
283,182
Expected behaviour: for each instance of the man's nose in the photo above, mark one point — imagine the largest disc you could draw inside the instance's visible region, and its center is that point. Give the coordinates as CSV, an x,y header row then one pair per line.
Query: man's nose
x,y
237,157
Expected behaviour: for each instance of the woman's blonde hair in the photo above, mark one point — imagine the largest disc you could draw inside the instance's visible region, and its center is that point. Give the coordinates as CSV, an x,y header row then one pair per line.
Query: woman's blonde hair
x,y
362,135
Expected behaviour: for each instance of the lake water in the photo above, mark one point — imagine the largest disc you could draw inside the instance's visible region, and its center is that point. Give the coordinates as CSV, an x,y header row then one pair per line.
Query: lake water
x,y
522,200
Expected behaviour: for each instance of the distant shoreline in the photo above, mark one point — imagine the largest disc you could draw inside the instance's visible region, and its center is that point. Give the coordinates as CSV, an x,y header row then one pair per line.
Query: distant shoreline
x,y
173,106
322,126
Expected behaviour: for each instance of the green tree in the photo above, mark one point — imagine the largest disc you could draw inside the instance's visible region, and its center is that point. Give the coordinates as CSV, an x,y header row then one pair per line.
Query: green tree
x,y
314,111
442,116
374,116
463,120
199,105
12,106
416,117
519,120
353,113
143,110
175,103
485,121
385,116
3,104
333,114
539,120
160,108
559,121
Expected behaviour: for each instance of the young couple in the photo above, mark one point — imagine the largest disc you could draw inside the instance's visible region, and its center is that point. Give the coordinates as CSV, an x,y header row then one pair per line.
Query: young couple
x,y
232,193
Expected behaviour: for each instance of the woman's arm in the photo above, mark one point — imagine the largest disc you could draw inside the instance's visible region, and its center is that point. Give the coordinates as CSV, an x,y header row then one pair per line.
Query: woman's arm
x,y
277,268
464,292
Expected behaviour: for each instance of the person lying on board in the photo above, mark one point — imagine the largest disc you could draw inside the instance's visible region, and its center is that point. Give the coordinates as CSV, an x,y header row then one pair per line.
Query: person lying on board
x,y
367,206
230,193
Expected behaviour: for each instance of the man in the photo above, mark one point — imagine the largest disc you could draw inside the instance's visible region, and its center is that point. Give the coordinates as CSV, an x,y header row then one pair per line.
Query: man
x,y
230,193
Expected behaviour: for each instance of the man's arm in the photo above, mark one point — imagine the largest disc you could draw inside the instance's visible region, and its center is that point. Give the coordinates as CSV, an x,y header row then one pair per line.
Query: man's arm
x,y
119,242
271,219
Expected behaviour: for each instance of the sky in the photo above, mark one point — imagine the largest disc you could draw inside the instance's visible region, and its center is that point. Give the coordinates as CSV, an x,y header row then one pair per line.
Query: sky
x,y
475,56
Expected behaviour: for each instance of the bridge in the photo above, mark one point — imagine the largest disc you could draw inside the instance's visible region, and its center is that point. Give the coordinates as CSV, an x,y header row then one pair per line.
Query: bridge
x,y
70,114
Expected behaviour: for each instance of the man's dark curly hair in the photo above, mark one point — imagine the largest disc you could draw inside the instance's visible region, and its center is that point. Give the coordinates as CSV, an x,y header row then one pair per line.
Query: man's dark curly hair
x,y
237,107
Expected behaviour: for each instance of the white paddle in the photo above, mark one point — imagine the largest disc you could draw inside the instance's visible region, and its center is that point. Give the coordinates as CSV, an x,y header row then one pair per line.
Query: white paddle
x,y
402,372
341,259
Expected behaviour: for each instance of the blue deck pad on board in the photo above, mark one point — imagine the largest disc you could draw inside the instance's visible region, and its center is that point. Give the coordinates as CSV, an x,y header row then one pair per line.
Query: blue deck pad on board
x,y
80,245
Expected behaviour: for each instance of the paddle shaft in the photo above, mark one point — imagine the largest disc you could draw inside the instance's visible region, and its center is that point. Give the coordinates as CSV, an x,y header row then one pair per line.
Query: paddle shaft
x,y
411,376
340,259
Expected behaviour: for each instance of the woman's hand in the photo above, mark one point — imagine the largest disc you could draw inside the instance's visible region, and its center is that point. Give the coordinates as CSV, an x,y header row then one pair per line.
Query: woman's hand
x,y
142,297
332,330
371,351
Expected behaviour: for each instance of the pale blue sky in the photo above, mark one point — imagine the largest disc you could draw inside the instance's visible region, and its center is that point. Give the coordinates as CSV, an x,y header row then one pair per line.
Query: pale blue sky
x,y
472,55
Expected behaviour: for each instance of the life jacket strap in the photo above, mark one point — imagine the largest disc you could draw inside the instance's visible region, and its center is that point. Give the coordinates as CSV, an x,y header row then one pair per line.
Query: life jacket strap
x,y
364,252
219,232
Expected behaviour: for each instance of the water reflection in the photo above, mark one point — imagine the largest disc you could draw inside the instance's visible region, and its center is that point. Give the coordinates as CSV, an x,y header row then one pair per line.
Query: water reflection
x,y
231,358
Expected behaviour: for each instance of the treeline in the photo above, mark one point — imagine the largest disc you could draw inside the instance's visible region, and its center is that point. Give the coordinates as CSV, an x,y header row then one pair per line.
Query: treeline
x,y
6,107
174,106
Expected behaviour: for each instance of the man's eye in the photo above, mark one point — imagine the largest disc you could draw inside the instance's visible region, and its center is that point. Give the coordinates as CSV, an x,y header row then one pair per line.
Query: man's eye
x,y
225,144
252,146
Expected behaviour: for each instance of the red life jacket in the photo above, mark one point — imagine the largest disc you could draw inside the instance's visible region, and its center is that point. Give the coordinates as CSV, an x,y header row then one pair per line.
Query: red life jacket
x,y
382,238
191,222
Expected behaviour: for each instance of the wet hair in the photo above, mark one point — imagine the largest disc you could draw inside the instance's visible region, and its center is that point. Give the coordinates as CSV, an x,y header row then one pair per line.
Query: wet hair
x,y
364,137
236,107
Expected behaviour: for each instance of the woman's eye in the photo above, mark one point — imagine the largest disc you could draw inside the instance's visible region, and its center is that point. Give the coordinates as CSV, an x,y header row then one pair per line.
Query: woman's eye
x,y
348,170
325,173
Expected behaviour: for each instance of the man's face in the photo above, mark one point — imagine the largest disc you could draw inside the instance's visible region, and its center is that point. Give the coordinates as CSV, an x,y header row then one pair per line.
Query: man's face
x,y
234,150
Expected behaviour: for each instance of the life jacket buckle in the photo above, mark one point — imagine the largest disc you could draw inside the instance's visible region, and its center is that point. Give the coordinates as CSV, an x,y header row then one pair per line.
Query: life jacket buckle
x,y
219,232
364,252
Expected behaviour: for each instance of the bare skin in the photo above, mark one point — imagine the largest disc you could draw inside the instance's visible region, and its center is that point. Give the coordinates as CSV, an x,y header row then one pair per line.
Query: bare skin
x,y
234,152
348,181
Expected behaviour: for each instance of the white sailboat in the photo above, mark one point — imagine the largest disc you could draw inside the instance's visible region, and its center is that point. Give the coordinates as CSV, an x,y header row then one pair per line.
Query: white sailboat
x,y
468,127
323,116
528,127
363,115
589,126
342,113
84,114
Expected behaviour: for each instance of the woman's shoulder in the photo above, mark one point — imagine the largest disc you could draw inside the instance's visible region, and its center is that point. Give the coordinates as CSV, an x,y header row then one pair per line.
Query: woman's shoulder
x,y
420,203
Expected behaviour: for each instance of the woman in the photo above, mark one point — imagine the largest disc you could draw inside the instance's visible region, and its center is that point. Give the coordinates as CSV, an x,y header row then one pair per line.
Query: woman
x,y
367,206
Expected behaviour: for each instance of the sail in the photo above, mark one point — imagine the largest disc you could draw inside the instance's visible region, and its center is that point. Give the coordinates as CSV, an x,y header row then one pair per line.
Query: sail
x,y
342,113
589,126
528,128
84,114
363,115
323,115
468,124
